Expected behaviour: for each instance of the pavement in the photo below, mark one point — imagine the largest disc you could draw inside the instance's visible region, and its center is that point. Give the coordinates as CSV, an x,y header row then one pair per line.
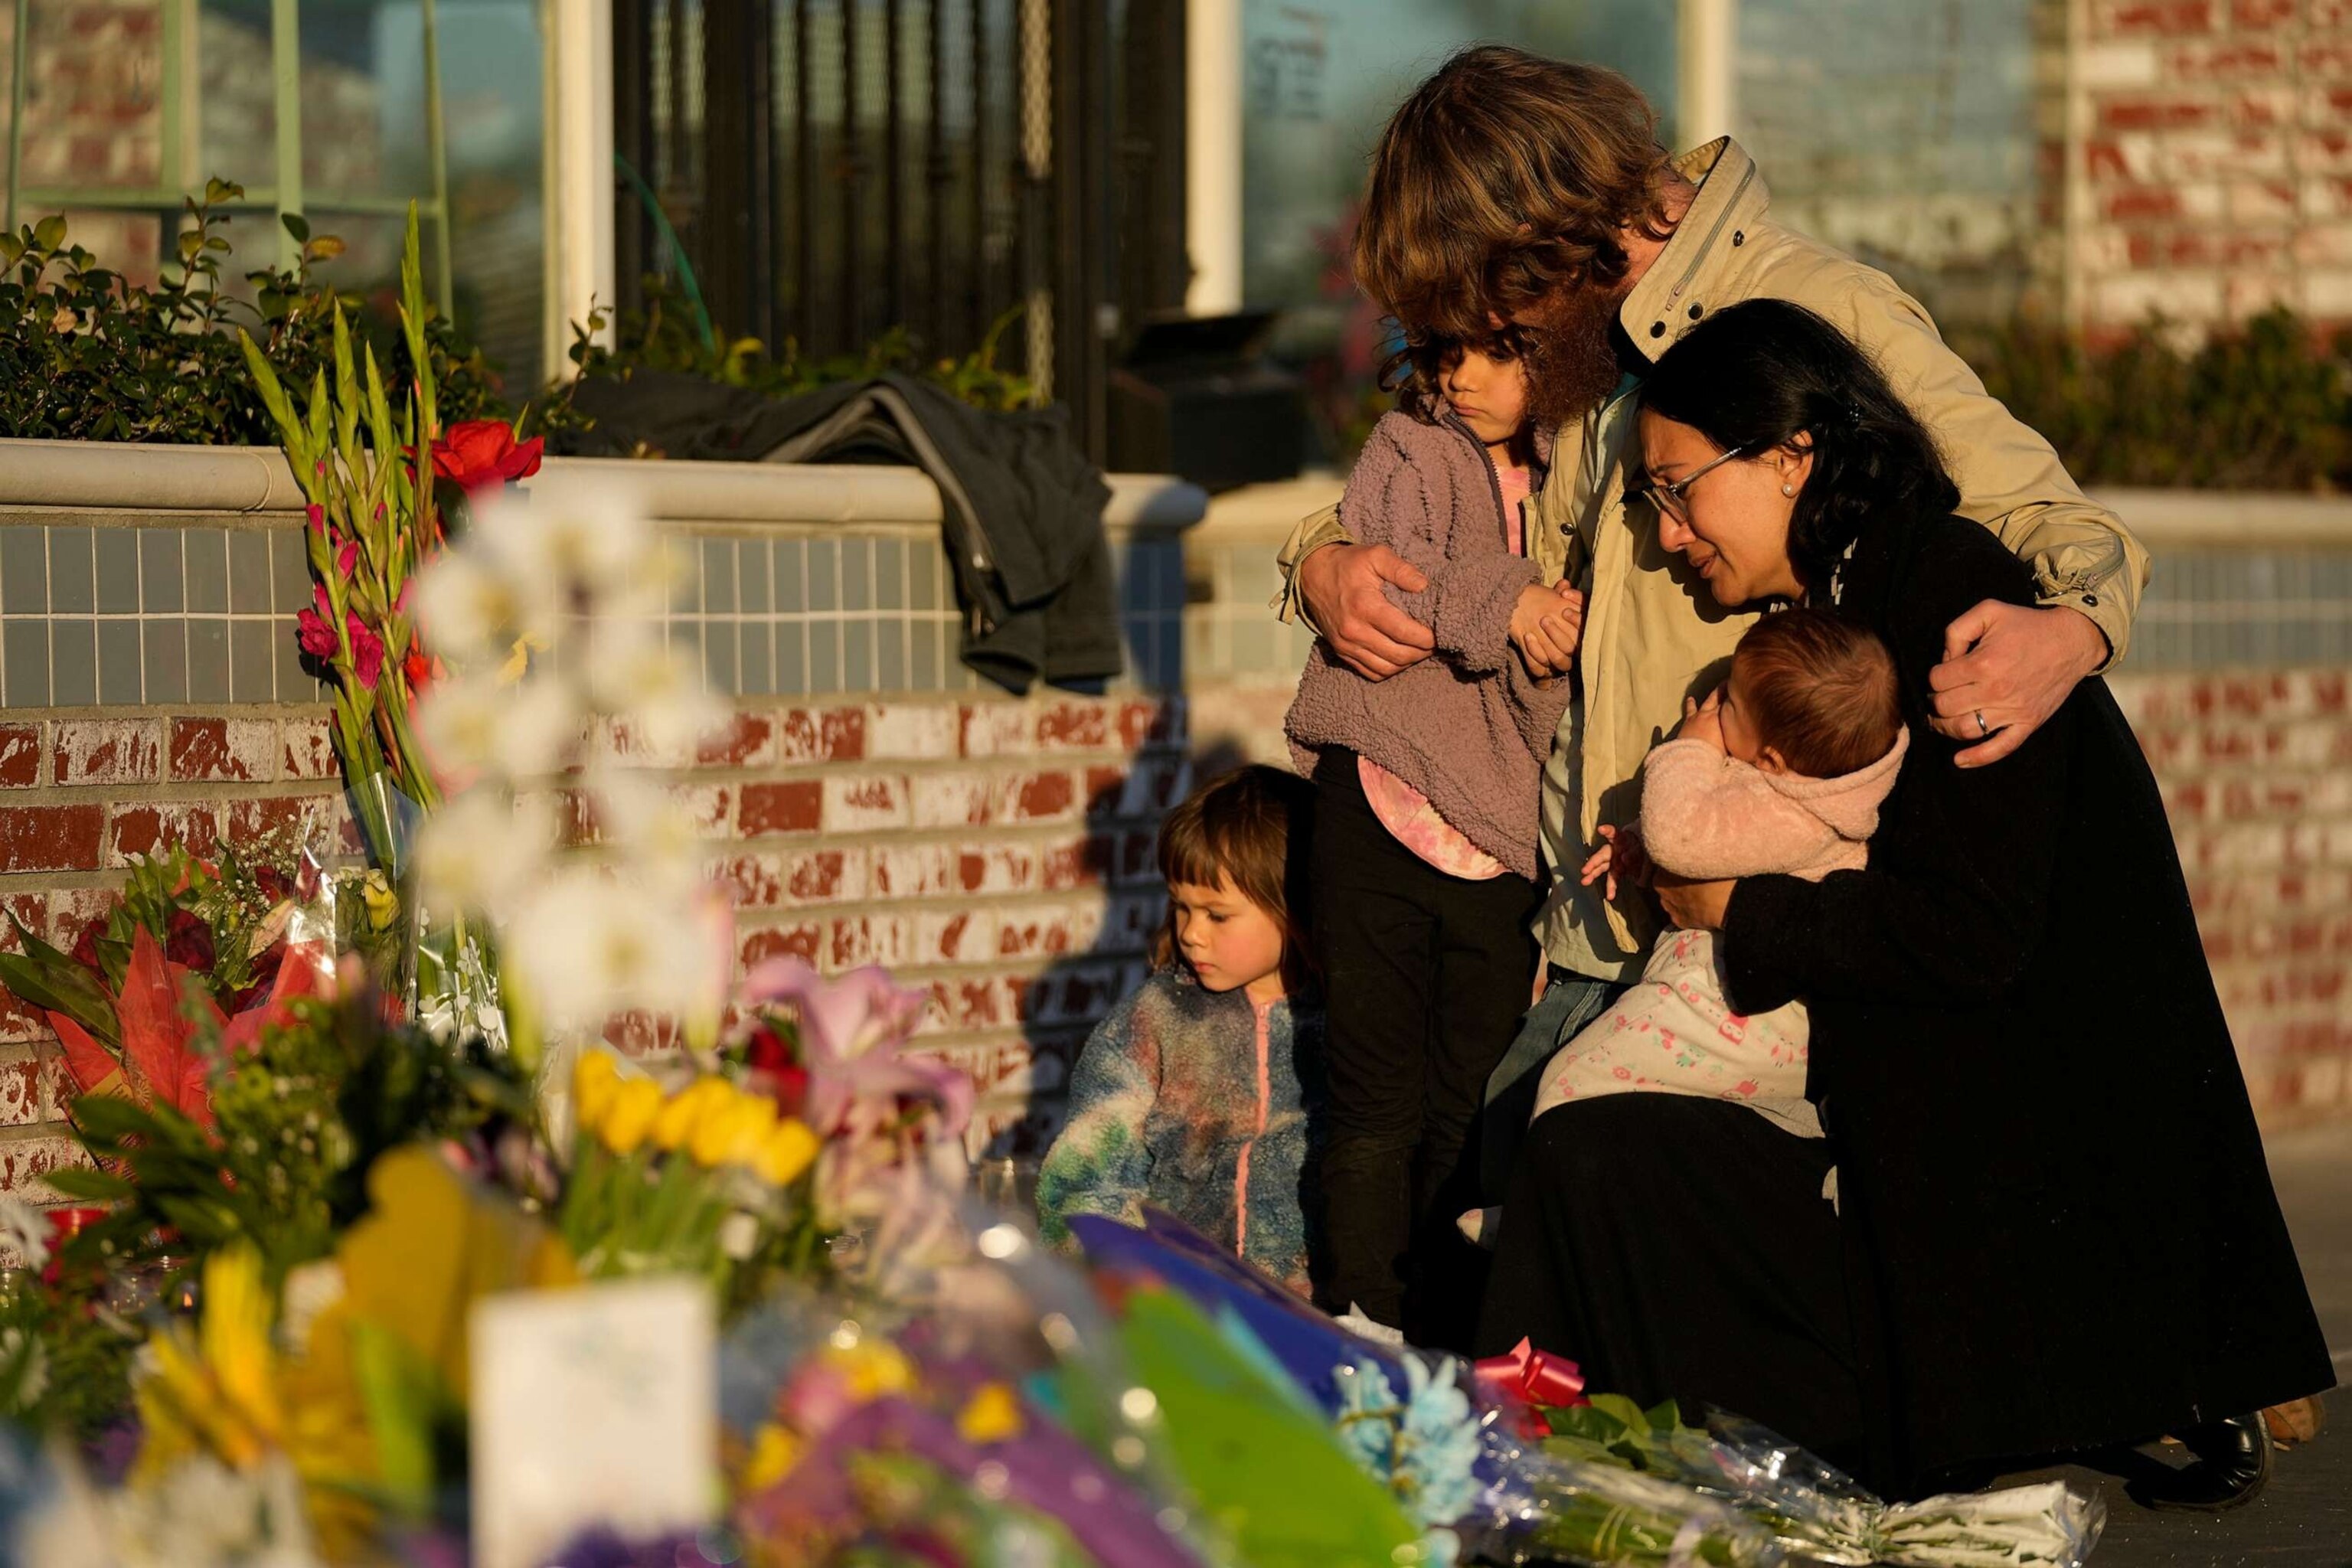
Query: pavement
x,y
2303,1519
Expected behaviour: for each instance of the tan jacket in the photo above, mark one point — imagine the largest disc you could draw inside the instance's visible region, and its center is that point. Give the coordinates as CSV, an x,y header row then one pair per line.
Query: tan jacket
x,y
1651,633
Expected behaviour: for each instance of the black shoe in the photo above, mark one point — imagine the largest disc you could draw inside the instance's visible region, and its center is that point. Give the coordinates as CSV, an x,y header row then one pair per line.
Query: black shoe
x,y
2233,1465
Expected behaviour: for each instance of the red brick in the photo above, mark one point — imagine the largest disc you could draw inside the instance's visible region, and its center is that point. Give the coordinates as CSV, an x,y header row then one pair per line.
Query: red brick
x,y
143,828
20,755
25,1161
51,837
2161,18
865,805
795,805
802,939
309,749
2232,59
1085,864
2156,113
831,735
213,750
914,731
107,752
1001,729
2260,14
2143,202
748,741
1044,797
950,800
856,941
1074,726
287,822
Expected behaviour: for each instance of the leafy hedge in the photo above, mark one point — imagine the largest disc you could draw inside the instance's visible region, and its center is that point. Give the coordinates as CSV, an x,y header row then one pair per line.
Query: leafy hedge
x,y
85,354
2266,408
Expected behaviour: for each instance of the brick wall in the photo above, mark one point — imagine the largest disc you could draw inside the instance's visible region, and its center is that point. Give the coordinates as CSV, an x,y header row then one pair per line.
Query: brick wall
x,y
2215,155
997,851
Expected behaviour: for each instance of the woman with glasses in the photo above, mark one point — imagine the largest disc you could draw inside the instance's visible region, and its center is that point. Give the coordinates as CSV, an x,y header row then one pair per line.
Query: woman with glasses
x,y
2040,1222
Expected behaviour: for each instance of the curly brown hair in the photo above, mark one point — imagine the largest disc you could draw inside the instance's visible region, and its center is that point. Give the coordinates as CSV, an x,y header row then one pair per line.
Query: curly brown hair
x,y
1504,177
1416,373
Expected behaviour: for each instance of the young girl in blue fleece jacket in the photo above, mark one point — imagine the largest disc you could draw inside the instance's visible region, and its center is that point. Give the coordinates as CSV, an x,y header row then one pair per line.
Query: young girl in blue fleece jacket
x,y
1196,1094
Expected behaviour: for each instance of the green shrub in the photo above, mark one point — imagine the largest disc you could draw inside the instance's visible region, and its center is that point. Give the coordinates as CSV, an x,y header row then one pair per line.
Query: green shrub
x,y
2266,408
669,334
85,354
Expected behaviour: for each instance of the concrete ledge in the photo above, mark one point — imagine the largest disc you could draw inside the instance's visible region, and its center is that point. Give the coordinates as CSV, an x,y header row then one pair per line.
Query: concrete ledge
x,y
128,476
2161,519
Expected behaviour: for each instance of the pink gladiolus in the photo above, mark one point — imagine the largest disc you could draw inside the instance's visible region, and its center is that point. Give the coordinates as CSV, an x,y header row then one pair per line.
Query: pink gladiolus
x,y
367,650
347,559
318,516
316,637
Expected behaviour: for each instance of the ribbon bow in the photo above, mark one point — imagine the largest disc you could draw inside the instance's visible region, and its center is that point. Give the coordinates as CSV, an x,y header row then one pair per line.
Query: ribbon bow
x,y
1537,1377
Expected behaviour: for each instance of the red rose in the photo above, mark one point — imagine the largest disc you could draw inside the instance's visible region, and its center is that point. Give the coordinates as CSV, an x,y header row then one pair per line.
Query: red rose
x,y
188,941
85,947
484,452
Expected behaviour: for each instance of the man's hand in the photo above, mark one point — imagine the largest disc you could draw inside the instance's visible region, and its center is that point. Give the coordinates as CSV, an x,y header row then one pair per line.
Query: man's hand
x,y
1621,859
1546,624
1340,584
2007,667
1693,906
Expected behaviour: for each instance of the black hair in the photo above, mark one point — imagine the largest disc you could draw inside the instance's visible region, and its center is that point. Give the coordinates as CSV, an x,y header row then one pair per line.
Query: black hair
x,y
1765,371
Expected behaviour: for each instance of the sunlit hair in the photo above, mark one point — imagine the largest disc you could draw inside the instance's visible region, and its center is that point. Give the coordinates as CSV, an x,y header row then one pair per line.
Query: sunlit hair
x,y
1250,825
1504,178
1820,690
1767,373
1416,372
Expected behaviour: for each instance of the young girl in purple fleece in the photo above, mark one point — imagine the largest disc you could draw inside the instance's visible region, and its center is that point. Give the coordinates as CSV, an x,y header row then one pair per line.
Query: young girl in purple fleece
x,y
1424,863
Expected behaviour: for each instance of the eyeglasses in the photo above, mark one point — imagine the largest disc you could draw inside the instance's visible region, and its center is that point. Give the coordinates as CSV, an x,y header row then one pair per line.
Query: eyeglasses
x,y
1668,497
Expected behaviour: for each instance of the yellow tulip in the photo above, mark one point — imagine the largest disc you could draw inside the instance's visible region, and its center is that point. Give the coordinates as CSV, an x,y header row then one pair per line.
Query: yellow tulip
x,y
685,1110
383,904
636,1105
990,1415
731,1134
774,1452
596,1083
787,1151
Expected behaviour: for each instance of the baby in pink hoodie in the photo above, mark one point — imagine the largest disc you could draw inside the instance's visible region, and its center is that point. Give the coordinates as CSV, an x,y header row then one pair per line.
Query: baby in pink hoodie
x,y
1782,769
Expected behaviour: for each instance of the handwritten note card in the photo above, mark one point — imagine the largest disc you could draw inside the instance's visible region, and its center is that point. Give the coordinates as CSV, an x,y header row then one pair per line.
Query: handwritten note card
x,y
593,1407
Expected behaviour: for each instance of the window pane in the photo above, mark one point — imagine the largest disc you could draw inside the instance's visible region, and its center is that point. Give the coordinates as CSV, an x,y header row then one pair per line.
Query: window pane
x,y
93,97
236,112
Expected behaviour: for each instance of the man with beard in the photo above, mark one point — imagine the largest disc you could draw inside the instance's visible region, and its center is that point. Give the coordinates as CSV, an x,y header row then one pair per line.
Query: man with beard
x,y
1510,188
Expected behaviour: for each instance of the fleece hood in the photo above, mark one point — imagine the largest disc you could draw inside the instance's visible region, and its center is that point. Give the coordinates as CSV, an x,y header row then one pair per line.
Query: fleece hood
x,y
1848,804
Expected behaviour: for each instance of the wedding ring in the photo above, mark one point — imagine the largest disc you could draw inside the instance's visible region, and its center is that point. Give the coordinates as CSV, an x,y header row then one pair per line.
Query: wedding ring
x,y
1982,727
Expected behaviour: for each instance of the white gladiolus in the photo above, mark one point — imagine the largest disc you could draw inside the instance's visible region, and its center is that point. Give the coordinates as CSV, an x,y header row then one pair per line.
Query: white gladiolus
x,y
654,832
587,945
652,688
472,611
483,851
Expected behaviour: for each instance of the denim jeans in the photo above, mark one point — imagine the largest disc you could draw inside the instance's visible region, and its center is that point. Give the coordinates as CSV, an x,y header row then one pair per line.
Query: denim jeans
x,y
1568,1002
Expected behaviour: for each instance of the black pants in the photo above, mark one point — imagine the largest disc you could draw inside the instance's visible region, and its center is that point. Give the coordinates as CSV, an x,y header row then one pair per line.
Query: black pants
x,y
1680,1247
1426,976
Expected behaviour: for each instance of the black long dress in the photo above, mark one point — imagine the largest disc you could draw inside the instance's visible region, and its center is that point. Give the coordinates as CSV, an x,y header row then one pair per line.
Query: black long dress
x,y
2055,1230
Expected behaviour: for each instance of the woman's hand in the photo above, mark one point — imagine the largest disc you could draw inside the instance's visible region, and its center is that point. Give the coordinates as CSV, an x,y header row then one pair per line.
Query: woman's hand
x,y
1703,721
1693,906
1621,859
1546,624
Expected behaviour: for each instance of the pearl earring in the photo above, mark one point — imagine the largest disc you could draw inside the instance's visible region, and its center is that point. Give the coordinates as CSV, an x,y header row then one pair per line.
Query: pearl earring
x,y
1787,489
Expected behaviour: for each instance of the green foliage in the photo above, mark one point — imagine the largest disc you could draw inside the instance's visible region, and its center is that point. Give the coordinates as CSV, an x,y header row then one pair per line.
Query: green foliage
x,y
85,354
298,1124
666,335
65,1357
2266,408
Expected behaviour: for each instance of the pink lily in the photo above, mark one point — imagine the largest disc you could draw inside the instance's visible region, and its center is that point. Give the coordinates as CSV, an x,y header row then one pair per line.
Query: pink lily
x,y
850,1033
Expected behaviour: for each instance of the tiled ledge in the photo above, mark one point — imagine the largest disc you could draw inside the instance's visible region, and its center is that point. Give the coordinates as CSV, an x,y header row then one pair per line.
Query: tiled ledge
x,y
144,575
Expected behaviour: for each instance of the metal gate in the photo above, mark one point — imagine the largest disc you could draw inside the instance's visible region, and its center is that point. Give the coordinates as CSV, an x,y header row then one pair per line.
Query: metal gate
x,y
828,170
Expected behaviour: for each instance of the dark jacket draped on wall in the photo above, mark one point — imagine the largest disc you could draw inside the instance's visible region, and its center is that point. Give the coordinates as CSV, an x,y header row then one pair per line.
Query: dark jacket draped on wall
x,y
2060,1231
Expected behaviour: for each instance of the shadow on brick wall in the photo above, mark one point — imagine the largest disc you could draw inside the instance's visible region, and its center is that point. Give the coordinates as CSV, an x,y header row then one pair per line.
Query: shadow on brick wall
x,y
1077,989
